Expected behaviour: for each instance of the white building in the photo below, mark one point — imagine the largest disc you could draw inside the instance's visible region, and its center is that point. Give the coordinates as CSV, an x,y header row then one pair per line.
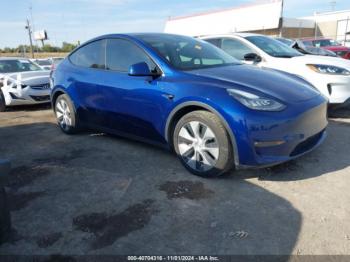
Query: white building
x,y
334,25
264,18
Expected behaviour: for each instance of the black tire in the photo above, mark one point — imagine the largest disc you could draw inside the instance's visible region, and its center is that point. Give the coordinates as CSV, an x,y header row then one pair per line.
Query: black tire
x,y
2,102
224,161
72,126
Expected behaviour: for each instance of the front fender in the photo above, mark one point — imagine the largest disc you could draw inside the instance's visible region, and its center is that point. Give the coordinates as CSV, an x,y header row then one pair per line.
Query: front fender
x,y
210,108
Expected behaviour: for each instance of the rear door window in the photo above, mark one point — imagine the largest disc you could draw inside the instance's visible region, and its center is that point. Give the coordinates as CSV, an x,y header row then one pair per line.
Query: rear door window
x,y
214,41
91,55
235,48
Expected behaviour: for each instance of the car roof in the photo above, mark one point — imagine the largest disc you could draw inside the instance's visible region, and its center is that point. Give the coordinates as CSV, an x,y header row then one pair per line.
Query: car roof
x,y
243,35
313,38
133,35
13,58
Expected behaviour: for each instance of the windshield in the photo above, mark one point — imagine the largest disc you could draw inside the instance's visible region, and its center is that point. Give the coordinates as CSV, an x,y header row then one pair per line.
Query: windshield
x,y
285,41
319,51
56,61
13,66
325,42
273,47
43,62
186,53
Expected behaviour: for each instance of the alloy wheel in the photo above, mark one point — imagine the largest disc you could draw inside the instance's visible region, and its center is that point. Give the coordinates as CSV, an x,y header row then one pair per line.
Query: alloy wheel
x,y
198,146
63,114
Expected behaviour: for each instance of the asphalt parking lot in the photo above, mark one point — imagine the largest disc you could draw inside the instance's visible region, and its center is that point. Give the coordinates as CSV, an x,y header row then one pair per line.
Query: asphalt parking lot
x,y
94,193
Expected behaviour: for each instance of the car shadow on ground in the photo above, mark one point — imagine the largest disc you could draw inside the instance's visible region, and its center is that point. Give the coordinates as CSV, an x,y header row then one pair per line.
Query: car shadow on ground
x,y
98,194
339,112
37,107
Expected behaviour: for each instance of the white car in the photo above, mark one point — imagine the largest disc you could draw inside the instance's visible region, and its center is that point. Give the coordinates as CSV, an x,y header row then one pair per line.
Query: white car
x,y
22,82
330,75
44,64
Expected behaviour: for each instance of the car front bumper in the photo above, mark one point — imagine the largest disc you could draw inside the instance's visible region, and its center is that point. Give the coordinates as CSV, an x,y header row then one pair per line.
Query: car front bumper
x,y
335,88
25,96
271,138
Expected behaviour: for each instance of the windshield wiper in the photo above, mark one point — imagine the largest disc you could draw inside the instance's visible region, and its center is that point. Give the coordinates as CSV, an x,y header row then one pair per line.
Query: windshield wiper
x,y
284,56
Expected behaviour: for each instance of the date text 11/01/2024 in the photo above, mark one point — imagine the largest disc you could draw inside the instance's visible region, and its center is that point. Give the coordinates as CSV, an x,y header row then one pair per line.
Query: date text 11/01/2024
x,y
173,258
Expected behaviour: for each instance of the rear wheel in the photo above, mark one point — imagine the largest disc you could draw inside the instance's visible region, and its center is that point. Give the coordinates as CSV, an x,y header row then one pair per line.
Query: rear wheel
x,y
65,114
202,144
2,102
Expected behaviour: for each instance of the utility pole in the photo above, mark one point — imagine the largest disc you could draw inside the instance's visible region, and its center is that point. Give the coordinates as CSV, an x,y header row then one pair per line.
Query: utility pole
x,y
281,20
315,18
30,38
33,27
346,30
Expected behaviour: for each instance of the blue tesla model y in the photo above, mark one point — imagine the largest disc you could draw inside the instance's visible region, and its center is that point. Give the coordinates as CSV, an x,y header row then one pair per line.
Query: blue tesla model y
x,y
191,97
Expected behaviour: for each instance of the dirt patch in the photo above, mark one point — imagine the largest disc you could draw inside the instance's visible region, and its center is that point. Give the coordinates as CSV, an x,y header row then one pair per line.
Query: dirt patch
x,y
61,160
24,175
20,201
48,240
11,237
108,228
65,159
186,189
58,258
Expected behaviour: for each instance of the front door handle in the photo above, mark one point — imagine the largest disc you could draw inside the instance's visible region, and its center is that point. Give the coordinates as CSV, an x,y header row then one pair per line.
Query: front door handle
x,y
168,96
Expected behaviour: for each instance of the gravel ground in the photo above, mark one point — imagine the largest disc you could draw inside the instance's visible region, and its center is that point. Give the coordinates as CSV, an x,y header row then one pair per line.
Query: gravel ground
x,y
94,193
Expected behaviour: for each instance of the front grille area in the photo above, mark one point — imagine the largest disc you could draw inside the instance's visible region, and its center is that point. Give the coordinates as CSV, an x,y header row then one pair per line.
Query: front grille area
x,y
13,96
41,87
40,98
307,144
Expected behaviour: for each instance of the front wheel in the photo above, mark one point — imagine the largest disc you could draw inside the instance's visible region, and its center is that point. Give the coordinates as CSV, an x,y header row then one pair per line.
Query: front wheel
x,y
202,144
66,115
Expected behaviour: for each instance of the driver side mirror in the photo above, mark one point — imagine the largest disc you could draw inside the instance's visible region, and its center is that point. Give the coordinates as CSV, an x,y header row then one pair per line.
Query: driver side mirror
x,y
140,69
253,57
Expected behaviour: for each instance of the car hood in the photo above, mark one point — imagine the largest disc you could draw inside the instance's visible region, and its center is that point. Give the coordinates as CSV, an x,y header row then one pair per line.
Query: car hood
x,y
282,86
323,60
31,78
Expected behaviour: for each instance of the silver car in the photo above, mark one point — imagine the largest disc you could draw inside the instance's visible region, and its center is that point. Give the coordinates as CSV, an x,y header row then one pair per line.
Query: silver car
x,y
43,63
22,82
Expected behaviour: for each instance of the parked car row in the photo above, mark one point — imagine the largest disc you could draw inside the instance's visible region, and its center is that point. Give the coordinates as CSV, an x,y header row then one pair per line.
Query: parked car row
x,y
318,46
328,44
305,49
48,63
223,101
199,99
330,75
23,81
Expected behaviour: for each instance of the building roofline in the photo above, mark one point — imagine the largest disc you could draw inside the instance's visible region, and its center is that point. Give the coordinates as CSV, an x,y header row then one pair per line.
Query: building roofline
x,y
332,12
243,6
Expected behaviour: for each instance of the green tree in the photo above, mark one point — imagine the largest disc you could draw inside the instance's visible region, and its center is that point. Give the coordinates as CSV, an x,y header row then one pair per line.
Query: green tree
x,y
67,47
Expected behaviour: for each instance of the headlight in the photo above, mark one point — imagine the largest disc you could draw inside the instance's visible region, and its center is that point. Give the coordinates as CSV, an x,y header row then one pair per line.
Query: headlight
x,y
255,102
328,69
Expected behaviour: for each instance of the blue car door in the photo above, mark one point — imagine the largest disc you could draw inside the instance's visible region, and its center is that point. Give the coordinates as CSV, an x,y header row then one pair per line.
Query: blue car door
x,y
134,105
86,78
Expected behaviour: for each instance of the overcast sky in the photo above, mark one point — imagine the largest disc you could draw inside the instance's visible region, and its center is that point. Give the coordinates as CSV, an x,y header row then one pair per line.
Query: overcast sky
x,y
73,20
